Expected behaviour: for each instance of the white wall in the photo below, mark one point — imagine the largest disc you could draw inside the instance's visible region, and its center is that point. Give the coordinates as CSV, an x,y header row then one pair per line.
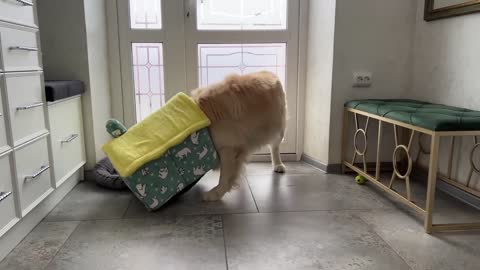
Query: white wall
x,y
64,50
446,69
321,26
74,47
97,47
376,36
434,61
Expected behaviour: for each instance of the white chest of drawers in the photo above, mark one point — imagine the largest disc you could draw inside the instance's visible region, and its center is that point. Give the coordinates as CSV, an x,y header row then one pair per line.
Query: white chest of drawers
x,y
3,132
41,147
68,146
20,49
24,151
26,105
7,204
33,174
18,11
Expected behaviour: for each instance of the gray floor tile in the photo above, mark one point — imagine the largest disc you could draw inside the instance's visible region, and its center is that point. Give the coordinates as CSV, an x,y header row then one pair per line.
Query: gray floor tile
x,y
39,247
265,168
419,195
460,213
138,244
371,230
309,240
447,209
404,233
239,200
88,201
313,192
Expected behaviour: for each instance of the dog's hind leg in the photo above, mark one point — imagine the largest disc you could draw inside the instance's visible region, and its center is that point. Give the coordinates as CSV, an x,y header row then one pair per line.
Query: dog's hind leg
x,y
278,165
231,162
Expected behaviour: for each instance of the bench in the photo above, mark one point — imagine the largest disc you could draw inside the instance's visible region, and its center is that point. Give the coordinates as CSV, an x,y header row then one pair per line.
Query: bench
x,y
415,119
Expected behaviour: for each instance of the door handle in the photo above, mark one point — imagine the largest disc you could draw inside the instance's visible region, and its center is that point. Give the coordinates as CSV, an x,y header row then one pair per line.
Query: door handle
x,y
69,139
23,48
4,195
25,3
30,106
37,174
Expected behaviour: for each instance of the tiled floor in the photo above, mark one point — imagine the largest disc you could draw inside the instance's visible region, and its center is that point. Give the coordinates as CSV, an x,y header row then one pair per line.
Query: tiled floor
x,y
304,219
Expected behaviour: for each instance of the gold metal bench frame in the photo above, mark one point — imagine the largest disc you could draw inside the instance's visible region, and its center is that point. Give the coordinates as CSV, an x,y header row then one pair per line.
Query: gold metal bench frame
x,y
432,169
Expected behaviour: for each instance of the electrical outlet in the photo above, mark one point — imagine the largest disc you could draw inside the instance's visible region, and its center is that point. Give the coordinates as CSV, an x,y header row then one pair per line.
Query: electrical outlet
x,y
362,79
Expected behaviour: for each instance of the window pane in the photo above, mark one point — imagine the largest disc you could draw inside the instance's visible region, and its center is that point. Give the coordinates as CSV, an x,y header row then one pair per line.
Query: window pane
x,y
219,60
146,14
148,78
241,14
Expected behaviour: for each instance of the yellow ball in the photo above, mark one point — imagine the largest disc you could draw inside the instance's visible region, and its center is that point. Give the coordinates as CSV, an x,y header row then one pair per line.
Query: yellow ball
x,y
360,179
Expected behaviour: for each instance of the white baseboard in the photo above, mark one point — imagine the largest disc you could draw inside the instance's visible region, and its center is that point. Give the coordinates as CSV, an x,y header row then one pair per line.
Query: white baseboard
x,y
267,158
314,162
15,235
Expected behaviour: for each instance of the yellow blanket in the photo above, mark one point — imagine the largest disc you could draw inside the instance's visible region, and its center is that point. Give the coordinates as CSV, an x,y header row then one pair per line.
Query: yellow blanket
x,y
152,137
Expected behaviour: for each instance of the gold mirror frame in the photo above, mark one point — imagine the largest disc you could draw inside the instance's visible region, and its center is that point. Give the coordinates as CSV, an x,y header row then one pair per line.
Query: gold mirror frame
x,y
451,11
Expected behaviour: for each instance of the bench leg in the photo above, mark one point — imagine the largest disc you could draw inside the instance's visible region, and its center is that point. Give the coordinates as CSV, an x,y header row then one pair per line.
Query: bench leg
x,y
344,139
379,146
432,182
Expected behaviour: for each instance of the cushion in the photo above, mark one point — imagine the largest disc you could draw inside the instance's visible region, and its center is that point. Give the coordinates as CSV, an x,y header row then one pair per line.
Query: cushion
x,y
56,90
436,117
106,176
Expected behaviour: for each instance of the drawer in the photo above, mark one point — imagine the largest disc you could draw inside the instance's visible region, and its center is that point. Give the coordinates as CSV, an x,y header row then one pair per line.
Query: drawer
x,y
66,132
19,49
7,205
3,132
26,107
33,173
18,11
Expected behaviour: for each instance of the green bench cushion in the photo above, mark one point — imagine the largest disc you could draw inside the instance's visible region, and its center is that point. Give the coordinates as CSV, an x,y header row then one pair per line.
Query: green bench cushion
x,y
430,116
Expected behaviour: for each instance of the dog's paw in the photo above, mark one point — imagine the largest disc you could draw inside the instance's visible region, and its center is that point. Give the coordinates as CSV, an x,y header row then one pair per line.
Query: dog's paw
x,y
280,168
211,196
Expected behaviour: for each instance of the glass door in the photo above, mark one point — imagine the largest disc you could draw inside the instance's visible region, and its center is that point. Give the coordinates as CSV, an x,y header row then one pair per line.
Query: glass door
x,y
168,46
152,54
244,36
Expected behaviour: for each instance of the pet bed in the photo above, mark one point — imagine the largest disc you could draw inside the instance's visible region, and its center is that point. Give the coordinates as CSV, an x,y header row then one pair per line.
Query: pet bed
x,y
165,154
106,176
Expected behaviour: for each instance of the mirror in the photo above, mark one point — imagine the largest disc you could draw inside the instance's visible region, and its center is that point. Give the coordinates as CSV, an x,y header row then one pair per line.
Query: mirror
x,y
439,9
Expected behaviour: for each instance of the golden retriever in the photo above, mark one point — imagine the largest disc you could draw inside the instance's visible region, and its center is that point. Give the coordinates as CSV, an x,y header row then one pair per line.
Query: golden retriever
x,y
247,112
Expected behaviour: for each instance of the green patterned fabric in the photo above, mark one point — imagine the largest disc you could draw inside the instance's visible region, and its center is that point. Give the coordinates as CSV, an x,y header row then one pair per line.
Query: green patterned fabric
x,y
431,116
158,181
115,128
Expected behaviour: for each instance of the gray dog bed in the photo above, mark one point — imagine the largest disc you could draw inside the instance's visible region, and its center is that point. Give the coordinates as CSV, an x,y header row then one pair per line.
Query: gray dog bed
x,y
106,176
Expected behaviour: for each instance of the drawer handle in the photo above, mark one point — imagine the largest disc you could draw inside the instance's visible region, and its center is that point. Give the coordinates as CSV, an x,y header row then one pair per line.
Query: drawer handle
x,y
23,48
37,174
4,195
71,138
31,106
25,3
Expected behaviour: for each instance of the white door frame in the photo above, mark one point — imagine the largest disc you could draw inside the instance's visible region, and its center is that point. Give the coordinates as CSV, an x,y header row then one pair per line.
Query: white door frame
x,y
174,47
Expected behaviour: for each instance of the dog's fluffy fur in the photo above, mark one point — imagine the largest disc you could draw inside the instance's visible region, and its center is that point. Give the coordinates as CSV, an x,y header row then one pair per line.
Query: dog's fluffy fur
x,y
247,112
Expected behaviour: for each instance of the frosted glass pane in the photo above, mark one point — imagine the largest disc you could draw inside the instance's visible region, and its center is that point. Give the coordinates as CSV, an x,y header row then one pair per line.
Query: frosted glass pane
x,y
218,60
241,14
146,14
148,78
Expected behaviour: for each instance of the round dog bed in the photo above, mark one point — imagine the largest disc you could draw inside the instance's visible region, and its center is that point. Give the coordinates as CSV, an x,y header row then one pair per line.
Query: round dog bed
x,y
106,176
